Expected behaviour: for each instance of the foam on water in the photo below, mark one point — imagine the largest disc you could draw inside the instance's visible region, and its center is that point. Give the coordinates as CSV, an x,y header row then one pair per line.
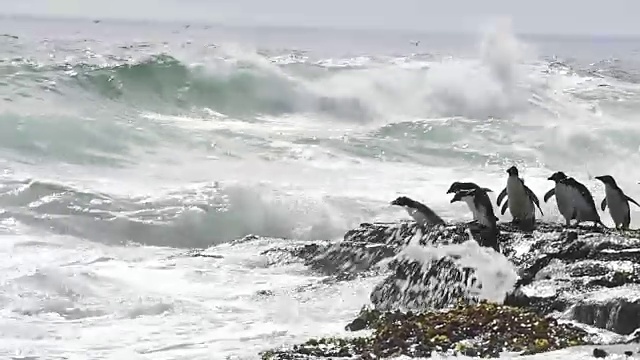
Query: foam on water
x,y
119,154
154,301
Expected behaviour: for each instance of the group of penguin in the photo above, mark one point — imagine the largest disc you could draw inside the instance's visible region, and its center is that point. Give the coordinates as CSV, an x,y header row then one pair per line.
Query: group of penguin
x,y
573,199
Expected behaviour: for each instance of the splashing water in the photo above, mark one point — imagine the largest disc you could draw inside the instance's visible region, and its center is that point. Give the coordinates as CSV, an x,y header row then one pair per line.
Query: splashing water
x,y
125,144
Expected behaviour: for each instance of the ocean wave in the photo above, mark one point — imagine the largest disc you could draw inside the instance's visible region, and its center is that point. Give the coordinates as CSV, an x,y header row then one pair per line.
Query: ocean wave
x,y
499,82
499,107
197,217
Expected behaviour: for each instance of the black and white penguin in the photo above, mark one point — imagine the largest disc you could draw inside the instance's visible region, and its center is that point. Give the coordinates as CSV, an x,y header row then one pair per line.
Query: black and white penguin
x,y
482,194
484,210
421,213
617,201
583,204
520,200
563,196
480,203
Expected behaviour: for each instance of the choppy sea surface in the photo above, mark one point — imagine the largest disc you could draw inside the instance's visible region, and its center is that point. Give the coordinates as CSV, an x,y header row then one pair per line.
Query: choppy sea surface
x,y
122,145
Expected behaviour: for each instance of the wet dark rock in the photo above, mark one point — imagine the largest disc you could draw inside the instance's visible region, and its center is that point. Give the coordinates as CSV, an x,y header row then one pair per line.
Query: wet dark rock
x,y
357,325
599,353
617,315
592,275
483,330
264,293
434,285
628,353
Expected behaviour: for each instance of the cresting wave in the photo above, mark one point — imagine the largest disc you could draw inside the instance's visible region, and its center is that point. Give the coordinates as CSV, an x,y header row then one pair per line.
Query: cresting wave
x,y
378,117
503,81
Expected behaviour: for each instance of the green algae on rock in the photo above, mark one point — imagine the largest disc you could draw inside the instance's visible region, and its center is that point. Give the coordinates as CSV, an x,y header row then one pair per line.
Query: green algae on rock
x,y
485,330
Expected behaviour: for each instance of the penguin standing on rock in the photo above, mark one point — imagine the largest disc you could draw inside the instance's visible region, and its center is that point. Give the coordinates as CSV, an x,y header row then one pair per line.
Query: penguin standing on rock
x,y
421,213
520,200
483,197
483,209
617,201
563,196
583,204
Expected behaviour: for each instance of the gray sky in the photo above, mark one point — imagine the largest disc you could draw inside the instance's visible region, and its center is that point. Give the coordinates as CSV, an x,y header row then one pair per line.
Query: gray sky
x,y
540,16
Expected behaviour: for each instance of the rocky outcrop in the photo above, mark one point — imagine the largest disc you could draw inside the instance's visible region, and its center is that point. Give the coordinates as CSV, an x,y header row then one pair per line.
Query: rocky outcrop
x,y
581,274
591,276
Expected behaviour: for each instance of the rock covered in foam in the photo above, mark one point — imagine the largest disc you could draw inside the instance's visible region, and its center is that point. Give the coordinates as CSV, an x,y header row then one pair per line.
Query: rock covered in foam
x,y
430,277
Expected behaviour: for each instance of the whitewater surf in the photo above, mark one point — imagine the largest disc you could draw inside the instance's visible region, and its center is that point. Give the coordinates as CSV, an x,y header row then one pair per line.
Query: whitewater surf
x,y
123,145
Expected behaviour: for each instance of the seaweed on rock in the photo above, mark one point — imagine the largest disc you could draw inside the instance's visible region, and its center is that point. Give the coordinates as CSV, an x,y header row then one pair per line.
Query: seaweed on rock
x,y
484,329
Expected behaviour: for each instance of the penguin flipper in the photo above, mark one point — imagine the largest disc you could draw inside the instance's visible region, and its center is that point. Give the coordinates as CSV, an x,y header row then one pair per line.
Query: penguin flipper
x,y
549,194
503,193
633,201
533,198
504,207
603,204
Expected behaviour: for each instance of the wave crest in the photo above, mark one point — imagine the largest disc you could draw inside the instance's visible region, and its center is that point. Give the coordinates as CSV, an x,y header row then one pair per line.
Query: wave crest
x,y
498,82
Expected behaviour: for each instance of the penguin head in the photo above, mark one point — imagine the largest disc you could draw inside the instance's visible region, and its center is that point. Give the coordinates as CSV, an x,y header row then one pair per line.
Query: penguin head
x,y
608,180
512,171
455,187
402,201
461,195
557,176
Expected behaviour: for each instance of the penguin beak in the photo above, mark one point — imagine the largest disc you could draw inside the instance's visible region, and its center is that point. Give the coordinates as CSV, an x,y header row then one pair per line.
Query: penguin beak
x,y
453,200
598,177
550,178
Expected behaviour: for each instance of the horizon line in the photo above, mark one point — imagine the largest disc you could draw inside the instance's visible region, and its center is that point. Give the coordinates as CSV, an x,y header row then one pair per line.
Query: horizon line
x,y
205,23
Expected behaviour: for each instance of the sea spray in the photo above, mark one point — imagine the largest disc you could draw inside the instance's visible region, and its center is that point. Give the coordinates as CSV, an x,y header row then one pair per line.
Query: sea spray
x,y
429,274
493,274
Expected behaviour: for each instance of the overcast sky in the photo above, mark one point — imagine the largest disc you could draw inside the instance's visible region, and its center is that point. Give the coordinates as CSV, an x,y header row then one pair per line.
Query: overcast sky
x,y
539,16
